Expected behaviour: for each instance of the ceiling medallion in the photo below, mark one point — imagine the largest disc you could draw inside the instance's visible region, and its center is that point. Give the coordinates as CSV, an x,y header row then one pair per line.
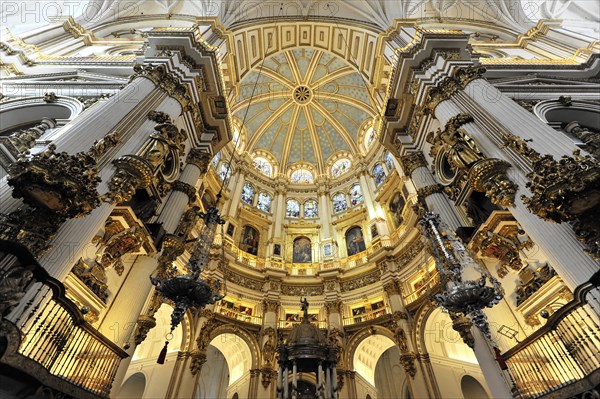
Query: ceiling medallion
x,y
302,94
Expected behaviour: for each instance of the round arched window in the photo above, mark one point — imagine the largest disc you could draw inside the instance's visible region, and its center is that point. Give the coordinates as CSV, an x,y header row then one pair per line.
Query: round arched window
x,y
263,166
302,176
340,167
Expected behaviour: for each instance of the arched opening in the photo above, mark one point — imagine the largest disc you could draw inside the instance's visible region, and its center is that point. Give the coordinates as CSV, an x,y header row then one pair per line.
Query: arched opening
x,y
389,374
366,358
472,389
355,241
134,387
302,250
228,362
450,357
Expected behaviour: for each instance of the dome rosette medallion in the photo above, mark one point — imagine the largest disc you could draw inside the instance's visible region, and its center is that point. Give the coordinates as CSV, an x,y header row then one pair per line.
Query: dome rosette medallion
x,y
308,106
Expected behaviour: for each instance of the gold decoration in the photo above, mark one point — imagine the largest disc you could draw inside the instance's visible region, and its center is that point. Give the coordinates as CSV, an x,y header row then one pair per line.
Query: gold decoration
x,y
197,360
199,158
504,246
185,188
333,307
270,305
144,324
567,190
172,247
533,320
408,362
269,347
461,150
166,81
187,222
462,325
425,192
391,288
412,161
268,374
450,85
12,287
23,140
57,187
489,176
132,173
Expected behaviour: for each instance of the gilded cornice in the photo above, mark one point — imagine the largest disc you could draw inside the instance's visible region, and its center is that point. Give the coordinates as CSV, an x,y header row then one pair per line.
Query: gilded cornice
x,y
185,188
166,81
452,84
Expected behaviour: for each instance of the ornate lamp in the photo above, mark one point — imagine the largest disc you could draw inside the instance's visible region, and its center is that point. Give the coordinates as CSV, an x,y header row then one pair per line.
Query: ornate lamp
x,y
188,290
464,284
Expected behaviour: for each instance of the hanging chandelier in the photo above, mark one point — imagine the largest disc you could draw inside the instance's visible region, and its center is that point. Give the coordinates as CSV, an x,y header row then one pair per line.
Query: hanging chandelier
x,y
464,283
189,290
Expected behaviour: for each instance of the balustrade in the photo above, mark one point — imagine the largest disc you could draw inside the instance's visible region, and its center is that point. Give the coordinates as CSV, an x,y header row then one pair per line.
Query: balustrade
x,y
368,316
562,352
53,332
234,314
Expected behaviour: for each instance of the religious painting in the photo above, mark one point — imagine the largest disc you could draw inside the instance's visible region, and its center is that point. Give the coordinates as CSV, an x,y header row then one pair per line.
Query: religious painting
x,y
327,250
396,207
357,314
230,230
302,250
355,241
277,249
374,231
249,240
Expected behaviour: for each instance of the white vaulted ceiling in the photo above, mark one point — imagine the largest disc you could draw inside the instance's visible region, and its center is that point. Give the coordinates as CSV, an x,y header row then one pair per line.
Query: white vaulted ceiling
x,y
519,15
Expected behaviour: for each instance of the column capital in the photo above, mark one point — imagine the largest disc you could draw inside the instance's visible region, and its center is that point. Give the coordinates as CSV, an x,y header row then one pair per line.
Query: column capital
x,y
425,192
185,188
333,307
199,158
270,305
165,80
412,161
452,84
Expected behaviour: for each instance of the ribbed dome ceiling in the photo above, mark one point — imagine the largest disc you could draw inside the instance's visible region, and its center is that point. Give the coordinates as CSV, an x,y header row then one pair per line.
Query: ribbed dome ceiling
x,y
307,105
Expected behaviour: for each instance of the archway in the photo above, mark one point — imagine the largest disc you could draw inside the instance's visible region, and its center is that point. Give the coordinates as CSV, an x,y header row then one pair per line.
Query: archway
x,y
450,357
365,359
390,376
134,387
472,389
228,363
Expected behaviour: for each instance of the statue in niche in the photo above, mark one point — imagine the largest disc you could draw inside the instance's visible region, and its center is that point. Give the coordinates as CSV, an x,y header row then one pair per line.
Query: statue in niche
x,y
166,141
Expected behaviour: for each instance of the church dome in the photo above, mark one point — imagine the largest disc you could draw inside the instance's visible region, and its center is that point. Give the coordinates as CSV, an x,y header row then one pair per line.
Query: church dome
x,y
306,333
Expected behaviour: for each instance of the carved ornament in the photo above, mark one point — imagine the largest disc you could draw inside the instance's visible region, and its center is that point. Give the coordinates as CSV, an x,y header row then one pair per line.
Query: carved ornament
x,y
462,325
268,375
197,360
490,176
270,305
133,172
199,158
185,188
166,81
450,85
144,324
408,362
425,192
334,307
187,222
567,190
412,161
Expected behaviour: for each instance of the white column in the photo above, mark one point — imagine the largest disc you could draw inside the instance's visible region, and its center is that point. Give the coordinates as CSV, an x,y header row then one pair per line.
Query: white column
x,y
278,214
557,241
324,214
494,376
437,202
236,193
286,383
121,318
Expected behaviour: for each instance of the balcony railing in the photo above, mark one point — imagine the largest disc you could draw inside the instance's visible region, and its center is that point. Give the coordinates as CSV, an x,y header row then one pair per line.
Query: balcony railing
x,y
53,333
364,317
293,323
562,352
233,314
430,285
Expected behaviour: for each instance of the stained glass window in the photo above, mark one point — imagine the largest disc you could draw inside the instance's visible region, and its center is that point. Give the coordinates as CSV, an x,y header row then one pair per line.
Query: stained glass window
x,y
339,203
264,202
340,167
292,209
248,193
389,161
263,166
356,196
310,209
224,171
302,176
216,159
378,174
370,136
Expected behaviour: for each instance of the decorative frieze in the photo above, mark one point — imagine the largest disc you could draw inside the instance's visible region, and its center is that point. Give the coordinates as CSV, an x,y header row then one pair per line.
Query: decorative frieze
x,y
301,290
362,281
